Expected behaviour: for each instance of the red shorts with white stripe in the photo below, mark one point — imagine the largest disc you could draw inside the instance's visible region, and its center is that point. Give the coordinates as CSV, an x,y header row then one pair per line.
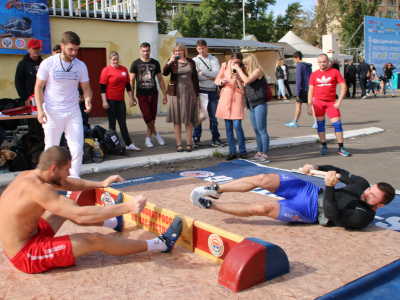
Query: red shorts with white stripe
x,y
44,252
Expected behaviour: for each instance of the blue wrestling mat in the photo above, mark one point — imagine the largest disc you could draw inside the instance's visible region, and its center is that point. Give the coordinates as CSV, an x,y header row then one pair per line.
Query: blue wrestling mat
x,y
381,284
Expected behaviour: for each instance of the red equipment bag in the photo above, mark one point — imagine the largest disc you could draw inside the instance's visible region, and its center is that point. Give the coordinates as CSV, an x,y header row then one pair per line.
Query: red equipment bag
x,y
27,109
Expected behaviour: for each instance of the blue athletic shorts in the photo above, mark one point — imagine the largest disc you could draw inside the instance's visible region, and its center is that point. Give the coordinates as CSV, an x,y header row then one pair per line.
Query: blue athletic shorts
x,y
301,200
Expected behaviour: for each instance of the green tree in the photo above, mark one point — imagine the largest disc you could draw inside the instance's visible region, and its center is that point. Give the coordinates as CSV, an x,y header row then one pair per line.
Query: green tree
x,y
285,23
191,25
352,17
162,7
178,20
343,17
305,26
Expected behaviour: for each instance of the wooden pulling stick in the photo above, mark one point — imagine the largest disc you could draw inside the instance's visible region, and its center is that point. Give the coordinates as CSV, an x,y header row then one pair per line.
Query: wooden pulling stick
x,y
317,172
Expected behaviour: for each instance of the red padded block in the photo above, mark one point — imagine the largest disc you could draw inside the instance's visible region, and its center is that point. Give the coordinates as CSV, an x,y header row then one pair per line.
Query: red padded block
x,y
84,198
250,262
243,267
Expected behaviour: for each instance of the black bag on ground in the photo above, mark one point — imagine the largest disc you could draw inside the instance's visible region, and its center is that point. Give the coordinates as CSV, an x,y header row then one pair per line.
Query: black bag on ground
x,y
31,146
87,154
96,132
113,143
21,162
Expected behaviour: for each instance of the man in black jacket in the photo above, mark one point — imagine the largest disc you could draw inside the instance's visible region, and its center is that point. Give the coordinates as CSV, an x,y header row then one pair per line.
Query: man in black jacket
x,y
25,79
363,70
25,76
352,206
351,78
286,78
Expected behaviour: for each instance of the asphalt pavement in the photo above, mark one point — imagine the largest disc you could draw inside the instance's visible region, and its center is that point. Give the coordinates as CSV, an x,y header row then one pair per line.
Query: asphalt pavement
x,y
371,129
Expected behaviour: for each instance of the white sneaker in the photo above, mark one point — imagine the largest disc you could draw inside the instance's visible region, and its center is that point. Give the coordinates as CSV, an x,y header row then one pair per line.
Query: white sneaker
x,y
159,139
133,147
148,143
210,190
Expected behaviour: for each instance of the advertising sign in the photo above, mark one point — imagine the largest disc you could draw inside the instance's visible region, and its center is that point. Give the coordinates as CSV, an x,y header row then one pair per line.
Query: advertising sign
x,y
382,42
21,21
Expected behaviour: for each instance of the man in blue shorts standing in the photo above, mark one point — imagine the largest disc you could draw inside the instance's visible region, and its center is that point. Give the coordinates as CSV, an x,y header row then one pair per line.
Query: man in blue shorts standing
x,y
353,206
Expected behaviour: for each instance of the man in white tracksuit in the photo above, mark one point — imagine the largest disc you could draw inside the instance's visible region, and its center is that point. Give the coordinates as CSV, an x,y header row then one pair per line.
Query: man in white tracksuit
x,y
58,104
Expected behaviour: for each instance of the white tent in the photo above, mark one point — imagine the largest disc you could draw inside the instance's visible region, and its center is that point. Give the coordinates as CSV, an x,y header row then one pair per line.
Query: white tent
x,y
300,45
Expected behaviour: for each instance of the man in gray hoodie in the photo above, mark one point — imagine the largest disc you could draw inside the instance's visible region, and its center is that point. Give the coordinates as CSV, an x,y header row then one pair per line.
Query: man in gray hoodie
x,y
208,69
303,73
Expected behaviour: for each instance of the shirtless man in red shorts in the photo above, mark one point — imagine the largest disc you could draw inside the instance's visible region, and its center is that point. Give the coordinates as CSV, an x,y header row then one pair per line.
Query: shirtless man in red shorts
x,y
322,96
31,212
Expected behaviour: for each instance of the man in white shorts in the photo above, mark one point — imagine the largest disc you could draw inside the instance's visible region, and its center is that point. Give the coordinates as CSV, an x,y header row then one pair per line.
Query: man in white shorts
x,y
58,103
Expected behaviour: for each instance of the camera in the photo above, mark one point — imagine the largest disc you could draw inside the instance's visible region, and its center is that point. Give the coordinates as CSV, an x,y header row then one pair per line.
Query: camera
x,y
177,56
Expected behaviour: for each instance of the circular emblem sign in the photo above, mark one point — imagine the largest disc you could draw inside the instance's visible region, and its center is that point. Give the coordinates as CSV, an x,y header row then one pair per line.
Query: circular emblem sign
x,y
20,43
7,43
216,245
107,199
196,174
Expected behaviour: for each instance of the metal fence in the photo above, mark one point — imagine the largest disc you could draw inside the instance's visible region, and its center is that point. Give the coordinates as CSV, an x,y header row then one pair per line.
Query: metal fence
x,y
101,9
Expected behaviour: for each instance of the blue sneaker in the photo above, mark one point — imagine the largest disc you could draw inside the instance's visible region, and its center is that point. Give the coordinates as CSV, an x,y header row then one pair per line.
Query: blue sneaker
x,y
324,150
292,124
171,235
344,152
315,126
121,223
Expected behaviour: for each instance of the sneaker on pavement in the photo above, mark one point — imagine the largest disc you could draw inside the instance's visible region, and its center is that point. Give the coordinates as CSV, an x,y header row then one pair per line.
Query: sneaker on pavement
x,y
121,223
196,142
256,157
148,143
292,124
217,143
364,97
263,159
159,139
324,150
315,126
132,147
209,190
344,152
200,201
171,235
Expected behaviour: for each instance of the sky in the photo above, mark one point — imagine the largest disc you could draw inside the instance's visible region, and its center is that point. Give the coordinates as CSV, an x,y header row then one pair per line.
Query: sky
x,y
281,5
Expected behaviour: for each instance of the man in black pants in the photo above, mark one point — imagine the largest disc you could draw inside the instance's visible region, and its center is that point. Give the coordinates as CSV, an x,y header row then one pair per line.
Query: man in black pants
x,y
352,206
363,70
25,79
351,78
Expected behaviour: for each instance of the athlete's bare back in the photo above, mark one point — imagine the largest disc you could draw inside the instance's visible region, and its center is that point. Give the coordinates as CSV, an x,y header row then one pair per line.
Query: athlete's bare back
x,y
20,211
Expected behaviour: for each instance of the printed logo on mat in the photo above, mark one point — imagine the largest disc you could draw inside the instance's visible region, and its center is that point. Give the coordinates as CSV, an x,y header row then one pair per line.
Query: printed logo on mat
x,y
216,245
196,174
107,199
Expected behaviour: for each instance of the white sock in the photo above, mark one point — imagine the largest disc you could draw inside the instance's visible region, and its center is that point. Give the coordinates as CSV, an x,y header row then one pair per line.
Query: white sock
x,y
110,223
156,244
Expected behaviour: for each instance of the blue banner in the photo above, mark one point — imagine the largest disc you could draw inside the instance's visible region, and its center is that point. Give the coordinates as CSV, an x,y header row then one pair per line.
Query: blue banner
x,y
382,42
21,21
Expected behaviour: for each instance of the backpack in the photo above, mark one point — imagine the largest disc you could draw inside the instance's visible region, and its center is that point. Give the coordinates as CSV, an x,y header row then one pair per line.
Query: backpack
x,y
113,143
87,154
97,132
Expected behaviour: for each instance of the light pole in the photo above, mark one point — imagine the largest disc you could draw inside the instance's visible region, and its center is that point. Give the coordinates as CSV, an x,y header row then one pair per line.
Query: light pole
x,y
244,20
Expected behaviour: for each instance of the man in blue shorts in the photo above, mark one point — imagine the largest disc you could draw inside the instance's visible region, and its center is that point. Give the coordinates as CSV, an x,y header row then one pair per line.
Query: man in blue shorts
x,y
353,206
